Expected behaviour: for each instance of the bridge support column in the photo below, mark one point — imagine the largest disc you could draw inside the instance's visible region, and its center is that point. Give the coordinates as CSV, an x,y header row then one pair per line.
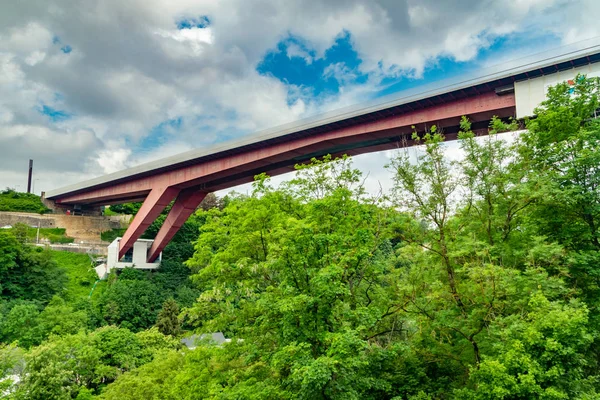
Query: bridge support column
x,y
156,201
184,206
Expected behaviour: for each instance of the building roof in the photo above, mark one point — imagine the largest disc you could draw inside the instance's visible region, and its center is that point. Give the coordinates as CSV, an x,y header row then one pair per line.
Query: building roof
x,y
191,342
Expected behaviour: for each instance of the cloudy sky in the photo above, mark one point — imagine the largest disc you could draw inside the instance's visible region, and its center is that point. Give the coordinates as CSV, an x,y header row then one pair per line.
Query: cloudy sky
x,y
90,87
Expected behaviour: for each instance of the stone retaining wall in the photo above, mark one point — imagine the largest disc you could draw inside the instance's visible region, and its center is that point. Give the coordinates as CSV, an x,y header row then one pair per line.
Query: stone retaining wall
x,y
82,228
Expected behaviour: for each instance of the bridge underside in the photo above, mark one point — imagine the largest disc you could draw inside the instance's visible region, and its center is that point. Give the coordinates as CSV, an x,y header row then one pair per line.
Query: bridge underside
x,y
187,185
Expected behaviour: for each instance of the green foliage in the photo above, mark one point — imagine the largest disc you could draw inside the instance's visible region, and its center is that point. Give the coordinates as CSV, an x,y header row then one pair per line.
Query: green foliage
x,y
153,341
107,212
64,367
152,381
59,318
131,303
11,200
305,275
167,321
539,355
11,365
27,273
110,236
29,234
54,235
28,325
171,276
562,149
477,279
125,208
31,278
474,261
21,324
135,297
80,273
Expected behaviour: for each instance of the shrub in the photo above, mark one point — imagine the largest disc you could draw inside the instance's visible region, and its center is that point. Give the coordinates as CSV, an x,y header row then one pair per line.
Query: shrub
x,y
11,200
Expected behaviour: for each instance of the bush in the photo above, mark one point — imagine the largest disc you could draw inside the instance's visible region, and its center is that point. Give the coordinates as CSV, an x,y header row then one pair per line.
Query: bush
x,y
11,200
29,234
55,235
109,236
60,239
27,272
126,208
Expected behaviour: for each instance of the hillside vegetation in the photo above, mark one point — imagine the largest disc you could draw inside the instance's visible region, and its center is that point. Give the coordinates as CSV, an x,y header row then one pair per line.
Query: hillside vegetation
x,y
11,200
30,234
475,279
109,236
80,275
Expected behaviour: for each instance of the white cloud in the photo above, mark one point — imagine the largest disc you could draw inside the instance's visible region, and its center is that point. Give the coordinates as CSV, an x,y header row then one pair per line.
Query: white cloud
x,y
113,159
130,69
294,50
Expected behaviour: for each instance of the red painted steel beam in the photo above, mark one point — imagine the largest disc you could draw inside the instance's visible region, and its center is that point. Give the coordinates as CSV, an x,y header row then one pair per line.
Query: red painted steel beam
x,y
156,201
185,204
203,172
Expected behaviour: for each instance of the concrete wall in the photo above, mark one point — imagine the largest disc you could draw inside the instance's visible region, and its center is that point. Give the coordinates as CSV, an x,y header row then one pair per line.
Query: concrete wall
x,y
86,229
530,93
140,253
98,249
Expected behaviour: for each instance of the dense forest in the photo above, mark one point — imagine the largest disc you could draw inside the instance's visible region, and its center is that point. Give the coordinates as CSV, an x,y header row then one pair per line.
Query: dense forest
x,y
473,279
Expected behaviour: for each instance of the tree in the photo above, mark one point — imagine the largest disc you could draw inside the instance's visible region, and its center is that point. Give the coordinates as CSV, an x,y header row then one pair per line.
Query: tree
x,y
427,189
477,279
154,380
11,365
27,273
20,231
21,324
211,201
63,367
59,318
131,303
562,146
540,354
167,321
305,276
126,208
474,262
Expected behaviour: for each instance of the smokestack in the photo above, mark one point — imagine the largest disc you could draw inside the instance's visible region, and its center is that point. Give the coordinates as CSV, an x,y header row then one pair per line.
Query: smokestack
x,y
29,177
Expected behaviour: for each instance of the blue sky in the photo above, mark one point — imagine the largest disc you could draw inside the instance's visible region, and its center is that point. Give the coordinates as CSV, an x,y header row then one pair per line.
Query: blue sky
x,y
312,74
54,115
309,71
308,74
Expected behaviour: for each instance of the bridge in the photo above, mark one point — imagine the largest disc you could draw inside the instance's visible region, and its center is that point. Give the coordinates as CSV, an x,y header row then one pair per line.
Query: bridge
x,y
185,179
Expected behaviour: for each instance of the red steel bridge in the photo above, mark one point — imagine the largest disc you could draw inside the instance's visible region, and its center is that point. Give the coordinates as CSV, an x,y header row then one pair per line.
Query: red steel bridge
x,y
185,179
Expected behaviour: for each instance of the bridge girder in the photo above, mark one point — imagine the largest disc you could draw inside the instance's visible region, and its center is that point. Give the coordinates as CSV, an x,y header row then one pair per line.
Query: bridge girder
x,y
189,184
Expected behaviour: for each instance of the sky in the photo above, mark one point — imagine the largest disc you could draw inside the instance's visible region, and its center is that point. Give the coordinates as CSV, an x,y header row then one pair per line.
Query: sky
x,y
91,87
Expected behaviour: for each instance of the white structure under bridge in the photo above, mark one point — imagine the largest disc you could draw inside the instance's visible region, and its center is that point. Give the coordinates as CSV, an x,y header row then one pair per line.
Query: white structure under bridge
x,y
136,258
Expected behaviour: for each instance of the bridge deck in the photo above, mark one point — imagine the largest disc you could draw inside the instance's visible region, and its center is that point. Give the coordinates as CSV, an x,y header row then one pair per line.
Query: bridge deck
x,y
420,98
186,178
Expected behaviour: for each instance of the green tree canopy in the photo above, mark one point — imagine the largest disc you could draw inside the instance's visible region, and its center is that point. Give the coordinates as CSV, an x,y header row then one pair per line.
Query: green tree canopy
x,y
26,272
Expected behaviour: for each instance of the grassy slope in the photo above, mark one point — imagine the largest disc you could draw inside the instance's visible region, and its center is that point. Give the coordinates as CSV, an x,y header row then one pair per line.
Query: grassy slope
x,y
54,235
23,202
81,275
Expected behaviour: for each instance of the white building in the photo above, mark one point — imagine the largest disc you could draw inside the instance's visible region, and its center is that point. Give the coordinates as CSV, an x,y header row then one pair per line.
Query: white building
x,y
134,258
